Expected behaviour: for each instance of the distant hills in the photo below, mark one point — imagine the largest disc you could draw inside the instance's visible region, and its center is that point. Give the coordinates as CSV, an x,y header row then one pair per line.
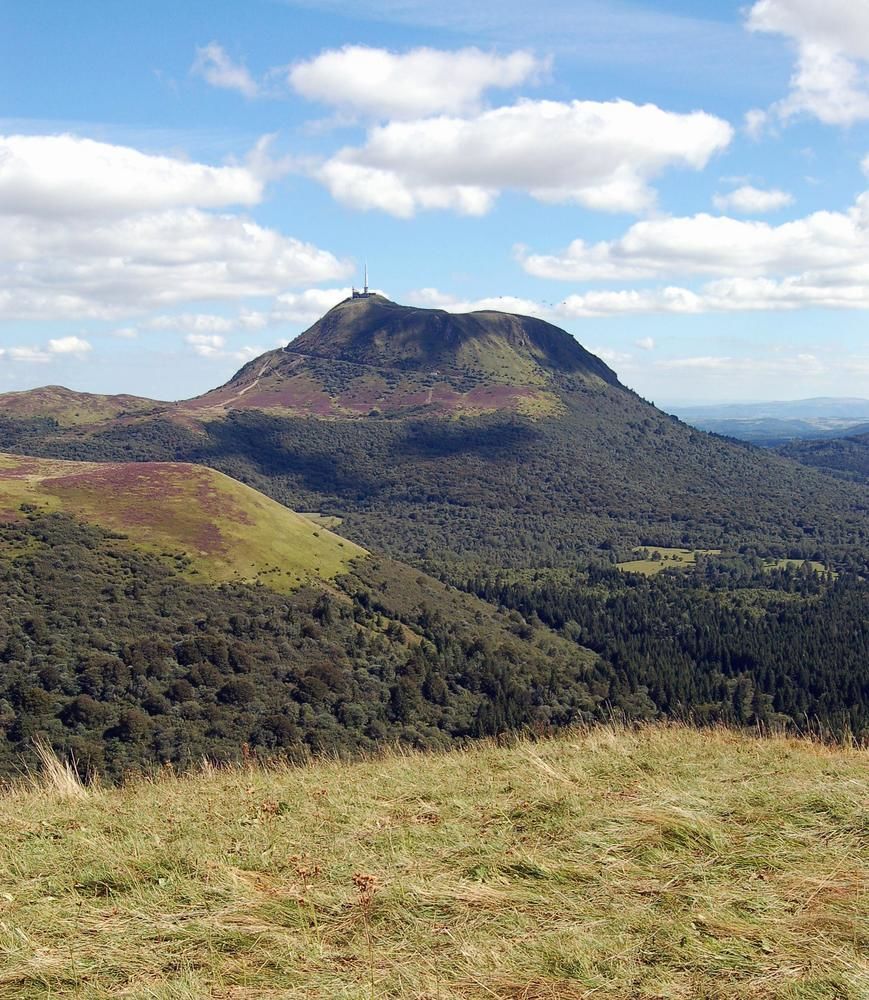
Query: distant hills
x,y
846,456
775,423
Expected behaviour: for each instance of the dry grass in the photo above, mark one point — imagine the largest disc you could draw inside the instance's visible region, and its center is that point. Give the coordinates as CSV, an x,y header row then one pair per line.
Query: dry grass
x,y
57,778
659,863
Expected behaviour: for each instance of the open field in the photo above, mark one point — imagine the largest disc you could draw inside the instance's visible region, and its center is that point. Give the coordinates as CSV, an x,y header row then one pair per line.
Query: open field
x,y
656,558
222,529
658,863
660,557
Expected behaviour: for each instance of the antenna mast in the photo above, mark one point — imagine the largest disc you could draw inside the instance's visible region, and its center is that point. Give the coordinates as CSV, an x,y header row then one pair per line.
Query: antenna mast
x,y
365,292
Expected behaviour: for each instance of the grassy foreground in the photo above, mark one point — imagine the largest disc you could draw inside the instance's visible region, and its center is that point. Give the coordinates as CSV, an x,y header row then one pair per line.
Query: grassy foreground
x,y
664,862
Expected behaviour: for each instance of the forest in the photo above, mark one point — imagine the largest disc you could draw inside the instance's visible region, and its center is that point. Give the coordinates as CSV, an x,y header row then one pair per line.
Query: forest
x,y
116,659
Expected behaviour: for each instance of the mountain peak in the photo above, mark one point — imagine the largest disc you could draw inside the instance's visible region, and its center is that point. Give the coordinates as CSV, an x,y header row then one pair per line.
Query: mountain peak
x,y
370,356
502,346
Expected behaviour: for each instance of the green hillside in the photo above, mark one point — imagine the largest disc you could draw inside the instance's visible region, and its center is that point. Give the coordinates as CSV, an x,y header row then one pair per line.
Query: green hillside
x,y
631,865
847,457
223,529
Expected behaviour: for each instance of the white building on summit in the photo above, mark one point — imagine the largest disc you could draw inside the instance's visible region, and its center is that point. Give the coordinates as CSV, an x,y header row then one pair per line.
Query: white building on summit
x,y
364,294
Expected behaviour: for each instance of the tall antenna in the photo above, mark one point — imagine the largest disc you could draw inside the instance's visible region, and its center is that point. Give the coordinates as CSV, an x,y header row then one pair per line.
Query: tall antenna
x,y
365,291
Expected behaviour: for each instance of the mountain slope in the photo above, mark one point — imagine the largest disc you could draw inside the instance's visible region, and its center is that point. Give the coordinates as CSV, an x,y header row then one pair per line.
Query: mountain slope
x,y
631,865
223,529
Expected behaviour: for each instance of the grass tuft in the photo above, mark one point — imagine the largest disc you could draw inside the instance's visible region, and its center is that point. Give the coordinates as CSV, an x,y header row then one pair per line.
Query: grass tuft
x,y
59,778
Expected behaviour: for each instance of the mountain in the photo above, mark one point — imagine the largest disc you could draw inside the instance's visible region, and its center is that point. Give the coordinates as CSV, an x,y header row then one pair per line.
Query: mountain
x,y
455,442
113,649
371,356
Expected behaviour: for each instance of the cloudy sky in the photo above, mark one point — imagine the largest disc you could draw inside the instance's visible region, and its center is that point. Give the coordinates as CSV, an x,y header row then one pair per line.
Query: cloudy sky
x,y
681,184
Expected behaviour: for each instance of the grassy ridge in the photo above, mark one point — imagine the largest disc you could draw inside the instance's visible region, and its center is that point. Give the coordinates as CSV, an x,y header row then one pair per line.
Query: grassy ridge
x,y
72,409
226,530
664,862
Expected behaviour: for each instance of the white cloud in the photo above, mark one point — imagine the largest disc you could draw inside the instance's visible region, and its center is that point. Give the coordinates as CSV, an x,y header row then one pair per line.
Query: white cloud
x,y
831,245
678,301
420,82
61,347
207,345
27,355
125,333
94,230
108,269
831,77
307,306
799,364
819,261
213,347
748,200
432,298
645,343
217,68
612,356
69,345
47,176
598,154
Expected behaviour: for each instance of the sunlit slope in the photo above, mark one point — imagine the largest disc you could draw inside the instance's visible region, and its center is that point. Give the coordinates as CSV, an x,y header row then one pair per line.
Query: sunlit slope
x,y
663,863
225,529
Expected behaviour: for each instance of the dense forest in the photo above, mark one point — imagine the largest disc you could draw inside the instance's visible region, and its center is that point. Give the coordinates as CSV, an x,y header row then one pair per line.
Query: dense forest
x,y
115,658
730,639
846,457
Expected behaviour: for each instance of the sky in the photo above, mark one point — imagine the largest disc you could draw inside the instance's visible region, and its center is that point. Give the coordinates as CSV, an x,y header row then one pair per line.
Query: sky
x,y
683,186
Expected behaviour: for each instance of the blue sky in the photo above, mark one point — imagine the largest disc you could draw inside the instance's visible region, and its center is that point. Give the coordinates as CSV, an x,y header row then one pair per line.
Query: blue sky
x,y
682,186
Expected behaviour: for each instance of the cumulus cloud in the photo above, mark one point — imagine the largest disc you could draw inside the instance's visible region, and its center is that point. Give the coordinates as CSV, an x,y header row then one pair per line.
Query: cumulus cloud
x,y
799,364
645,343
821,260
213,346
48,176
214,65
307,306
205,323
423,81
748,200
69,345
831,77
433,298
832,247
598,154
61,347
93,230
105,269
